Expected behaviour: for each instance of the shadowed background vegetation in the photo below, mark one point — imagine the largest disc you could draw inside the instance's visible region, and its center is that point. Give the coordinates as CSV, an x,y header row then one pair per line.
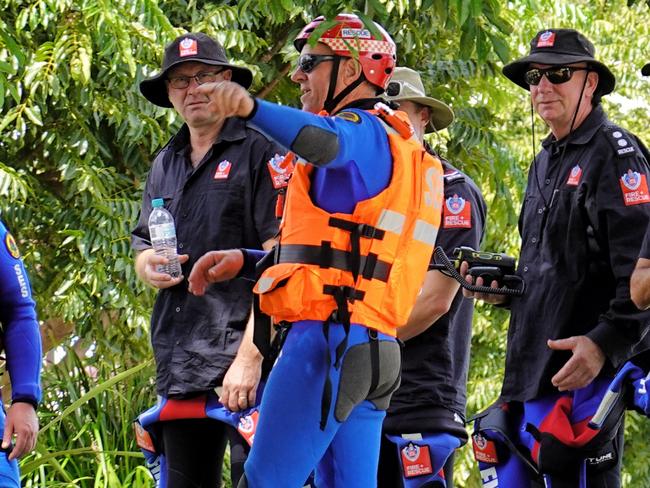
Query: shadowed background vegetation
x,y
77,138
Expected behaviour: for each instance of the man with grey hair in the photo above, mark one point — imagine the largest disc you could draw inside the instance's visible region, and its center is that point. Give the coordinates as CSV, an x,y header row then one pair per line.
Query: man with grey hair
x,y
585,211
425,421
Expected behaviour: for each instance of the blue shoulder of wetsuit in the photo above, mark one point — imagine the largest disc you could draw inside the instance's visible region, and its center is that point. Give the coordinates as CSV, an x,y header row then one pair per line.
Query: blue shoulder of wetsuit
x,y
20,330
352,146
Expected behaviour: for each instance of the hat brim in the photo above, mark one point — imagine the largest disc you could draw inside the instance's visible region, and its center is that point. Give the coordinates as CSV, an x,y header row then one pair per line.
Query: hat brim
x,y
516,70
645,71
441,114
154,89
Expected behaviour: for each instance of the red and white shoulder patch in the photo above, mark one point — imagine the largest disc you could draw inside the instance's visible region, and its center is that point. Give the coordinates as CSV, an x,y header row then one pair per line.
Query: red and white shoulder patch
x,y
280,168
457,213
635,188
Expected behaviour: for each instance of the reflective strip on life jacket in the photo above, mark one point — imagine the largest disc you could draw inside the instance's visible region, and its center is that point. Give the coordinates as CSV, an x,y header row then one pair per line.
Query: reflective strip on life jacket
x,y
391,221
425,232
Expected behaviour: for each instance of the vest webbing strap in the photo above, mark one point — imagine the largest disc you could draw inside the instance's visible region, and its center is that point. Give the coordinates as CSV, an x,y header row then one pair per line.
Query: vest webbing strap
x,y
342,315
365,230
324,256
326,397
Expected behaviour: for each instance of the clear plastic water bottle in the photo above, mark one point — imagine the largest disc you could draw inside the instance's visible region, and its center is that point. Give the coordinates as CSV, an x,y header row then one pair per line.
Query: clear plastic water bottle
x,y
163,237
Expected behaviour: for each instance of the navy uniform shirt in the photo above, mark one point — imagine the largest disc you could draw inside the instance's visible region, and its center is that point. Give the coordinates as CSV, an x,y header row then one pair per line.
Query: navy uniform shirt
x,y
645,247
432,394
227,202
582,223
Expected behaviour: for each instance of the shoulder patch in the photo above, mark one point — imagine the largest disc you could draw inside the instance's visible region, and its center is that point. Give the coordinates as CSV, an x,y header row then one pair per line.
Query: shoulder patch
x,y
620,141
457,213
280,168
635,188
12,248
349,116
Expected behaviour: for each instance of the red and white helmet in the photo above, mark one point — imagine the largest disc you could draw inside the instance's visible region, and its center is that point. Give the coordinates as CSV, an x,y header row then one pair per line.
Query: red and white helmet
x,y
376,55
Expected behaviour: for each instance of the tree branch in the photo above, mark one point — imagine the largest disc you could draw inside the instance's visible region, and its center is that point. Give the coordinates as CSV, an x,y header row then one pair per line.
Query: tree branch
x,y
269,87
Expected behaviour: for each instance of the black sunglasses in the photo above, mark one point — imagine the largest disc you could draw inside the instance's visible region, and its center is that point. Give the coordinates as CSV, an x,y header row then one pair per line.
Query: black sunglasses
x,y
307,62
555,74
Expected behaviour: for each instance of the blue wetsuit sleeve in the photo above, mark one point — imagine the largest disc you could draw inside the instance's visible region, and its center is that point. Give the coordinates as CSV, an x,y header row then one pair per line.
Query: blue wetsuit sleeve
x,y
352,139
21,336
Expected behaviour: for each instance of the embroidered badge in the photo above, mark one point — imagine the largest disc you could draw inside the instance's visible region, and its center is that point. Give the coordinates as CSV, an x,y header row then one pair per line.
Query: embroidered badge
x,y
350,117
457,213
248,425
416,460
484,449
12,248
635,188
223,170
574,176
547,39
280,168
188,47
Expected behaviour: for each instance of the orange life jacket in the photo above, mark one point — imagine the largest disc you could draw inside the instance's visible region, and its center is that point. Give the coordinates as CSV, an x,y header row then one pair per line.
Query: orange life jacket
x,y
371,262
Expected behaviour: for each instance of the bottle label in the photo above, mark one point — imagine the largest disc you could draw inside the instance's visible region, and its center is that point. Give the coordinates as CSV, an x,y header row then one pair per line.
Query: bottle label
x,y
162,231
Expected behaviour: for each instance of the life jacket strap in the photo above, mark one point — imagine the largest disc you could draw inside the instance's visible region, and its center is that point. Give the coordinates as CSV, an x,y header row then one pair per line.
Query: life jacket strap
x,y
370,267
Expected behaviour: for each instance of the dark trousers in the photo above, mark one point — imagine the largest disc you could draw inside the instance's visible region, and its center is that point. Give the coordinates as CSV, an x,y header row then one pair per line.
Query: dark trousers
x,y
194,450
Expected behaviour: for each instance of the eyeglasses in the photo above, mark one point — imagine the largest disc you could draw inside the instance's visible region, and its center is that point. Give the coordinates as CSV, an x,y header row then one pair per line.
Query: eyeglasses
x,y
555,74
307,62
180,82
394,88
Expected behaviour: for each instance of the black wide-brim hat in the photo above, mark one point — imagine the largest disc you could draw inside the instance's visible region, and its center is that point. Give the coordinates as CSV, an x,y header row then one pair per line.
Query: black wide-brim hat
x,y
197,47
645,71
560,47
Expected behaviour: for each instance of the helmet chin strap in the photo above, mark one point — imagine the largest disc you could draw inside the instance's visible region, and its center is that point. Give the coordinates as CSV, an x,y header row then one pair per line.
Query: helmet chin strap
x,y
331,101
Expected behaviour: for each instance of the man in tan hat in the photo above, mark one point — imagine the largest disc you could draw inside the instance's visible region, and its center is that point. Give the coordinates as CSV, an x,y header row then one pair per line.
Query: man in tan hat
x,y
219,178
585,212
427,413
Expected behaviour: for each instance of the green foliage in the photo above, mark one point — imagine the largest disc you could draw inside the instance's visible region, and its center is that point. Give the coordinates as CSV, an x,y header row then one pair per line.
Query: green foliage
x,y
87,436
76,139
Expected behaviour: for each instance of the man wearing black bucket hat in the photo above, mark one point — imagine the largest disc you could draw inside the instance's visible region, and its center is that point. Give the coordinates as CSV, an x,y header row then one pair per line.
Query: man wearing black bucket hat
x,y
219,178
585,211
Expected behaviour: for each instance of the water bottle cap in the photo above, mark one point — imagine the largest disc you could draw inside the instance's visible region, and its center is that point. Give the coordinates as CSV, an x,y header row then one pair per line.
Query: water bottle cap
x,y
157,202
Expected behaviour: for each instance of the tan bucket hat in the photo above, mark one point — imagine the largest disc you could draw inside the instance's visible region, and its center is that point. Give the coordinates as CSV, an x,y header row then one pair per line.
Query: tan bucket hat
x,y
406,84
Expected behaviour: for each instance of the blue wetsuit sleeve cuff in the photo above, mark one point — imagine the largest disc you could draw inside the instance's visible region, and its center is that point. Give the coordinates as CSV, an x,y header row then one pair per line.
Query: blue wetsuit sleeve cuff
x,y
21,399
254,111
251,257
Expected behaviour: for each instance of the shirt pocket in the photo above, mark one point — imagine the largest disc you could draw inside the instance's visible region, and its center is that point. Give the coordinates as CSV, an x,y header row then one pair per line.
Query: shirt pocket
x,y
566,235
220,217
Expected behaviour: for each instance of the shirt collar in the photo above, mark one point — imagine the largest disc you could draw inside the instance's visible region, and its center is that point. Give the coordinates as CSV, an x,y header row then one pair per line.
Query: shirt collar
x,y
233,130
581,135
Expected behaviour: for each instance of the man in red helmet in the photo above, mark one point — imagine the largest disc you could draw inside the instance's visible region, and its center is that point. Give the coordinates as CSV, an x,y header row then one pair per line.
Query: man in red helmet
x,y
360,221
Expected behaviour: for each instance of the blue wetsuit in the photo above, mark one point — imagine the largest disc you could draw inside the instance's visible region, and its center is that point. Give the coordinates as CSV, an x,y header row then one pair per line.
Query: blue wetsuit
x,y
21,340
289,442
